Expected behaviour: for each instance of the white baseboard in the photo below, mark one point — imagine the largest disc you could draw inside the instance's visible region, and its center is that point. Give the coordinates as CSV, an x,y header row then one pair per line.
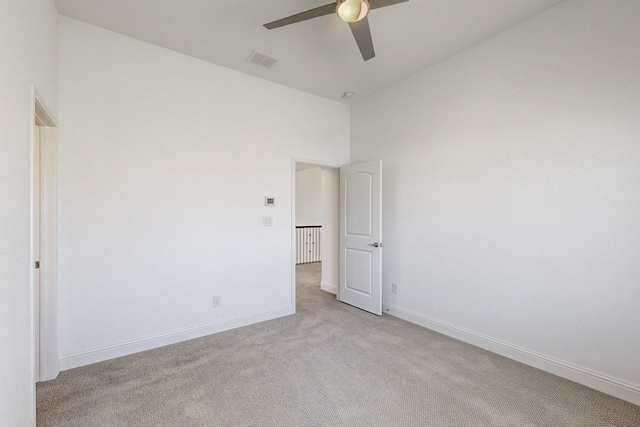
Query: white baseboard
x,y
329,287
101,354
578,374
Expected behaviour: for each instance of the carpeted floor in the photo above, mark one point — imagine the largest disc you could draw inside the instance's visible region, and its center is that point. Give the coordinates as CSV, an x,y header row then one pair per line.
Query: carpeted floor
x,y
328,365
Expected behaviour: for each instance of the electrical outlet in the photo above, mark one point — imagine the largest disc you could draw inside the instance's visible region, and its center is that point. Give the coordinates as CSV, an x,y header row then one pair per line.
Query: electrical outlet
x,y
394,288
217,301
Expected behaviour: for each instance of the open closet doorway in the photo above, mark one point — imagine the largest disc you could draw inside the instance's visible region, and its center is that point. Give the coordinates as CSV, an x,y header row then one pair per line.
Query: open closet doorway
x,y
317,220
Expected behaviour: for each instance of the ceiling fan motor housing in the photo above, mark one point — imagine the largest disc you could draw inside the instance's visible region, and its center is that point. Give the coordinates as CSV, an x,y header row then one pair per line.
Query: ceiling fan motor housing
x,y
352,10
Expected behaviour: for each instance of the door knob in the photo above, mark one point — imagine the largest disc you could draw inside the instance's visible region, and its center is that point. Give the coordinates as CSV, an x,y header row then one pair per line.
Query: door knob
x,y
375,244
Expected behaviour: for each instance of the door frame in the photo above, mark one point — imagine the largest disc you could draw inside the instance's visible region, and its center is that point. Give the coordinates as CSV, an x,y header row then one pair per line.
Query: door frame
x,y
45,296
311,162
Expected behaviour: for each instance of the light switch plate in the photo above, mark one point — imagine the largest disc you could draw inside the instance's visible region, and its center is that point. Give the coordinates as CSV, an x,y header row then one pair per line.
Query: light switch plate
x,y
267,221
269,201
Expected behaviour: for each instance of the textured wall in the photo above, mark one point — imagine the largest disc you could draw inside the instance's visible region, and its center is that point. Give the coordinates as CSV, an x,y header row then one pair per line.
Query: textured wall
x,y
164,164
28,51
511,189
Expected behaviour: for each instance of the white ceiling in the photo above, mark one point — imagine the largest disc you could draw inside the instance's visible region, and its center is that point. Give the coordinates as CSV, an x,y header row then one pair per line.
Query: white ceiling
x,y
318,56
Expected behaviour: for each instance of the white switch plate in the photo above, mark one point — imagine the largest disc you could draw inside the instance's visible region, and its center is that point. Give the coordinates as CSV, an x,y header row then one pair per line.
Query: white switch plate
x,y
267,221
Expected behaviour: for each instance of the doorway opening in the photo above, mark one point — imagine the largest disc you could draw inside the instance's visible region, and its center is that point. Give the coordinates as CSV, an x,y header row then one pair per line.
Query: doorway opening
x,y
316,220
356,256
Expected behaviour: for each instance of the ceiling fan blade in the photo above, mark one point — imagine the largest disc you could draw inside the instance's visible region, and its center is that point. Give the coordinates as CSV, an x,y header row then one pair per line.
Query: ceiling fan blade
x,y
362,34
303,16
377,4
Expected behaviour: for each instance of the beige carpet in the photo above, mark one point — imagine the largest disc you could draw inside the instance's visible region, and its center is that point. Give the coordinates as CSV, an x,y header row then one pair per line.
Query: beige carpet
x,y
329,365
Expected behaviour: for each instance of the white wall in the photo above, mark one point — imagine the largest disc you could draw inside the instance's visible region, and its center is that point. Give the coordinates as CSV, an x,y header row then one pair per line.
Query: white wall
x,y
330,229
164,162
511,192
309,197
28,52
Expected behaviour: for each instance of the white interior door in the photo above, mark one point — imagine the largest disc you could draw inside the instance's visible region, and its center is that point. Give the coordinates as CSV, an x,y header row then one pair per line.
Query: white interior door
x,y
361,236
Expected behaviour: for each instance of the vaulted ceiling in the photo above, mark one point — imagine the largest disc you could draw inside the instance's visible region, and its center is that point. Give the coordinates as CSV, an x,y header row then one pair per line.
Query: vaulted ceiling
x,y
319,56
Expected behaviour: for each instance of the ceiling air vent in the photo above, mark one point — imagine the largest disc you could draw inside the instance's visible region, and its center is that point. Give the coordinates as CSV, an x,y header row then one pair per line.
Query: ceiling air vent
x,y
261,59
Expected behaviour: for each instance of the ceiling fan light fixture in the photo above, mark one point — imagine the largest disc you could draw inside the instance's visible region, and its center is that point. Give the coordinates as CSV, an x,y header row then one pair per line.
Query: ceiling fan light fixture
x,y
352,10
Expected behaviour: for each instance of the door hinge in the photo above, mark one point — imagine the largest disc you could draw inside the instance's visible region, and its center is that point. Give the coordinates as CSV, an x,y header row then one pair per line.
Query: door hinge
x,y
37,264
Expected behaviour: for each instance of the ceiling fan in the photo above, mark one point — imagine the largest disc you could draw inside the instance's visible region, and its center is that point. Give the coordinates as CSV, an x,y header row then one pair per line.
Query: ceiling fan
x,y
354,12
